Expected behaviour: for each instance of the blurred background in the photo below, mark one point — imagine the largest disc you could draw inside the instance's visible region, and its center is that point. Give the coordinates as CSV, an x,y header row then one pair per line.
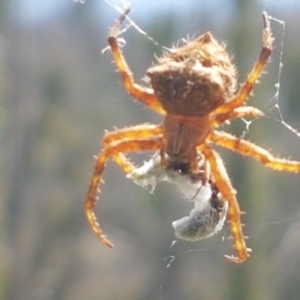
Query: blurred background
x,y
58,93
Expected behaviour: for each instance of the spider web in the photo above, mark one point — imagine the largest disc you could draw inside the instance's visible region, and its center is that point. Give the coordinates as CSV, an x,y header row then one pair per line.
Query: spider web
x,y
273,104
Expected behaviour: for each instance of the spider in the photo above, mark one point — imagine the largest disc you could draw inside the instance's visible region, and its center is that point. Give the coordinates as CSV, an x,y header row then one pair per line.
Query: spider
x,y
194,88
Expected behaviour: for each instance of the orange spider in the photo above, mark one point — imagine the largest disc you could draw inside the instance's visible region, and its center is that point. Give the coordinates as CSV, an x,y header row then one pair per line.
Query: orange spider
x,y
193,87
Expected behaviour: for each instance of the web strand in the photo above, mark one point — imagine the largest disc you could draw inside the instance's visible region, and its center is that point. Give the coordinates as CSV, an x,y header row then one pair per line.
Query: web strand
x,y
125,5
276,96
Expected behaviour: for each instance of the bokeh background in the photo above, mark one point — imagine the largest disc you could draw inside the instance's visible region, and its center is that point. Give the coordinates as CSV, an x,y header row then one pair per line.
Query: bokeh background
x,y
58,93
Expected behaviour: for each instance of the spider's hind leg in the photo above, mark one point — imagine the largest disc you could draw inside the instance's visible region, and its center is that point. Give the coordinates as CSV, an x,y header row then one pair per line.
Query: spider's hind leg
x,y
143,94
247,87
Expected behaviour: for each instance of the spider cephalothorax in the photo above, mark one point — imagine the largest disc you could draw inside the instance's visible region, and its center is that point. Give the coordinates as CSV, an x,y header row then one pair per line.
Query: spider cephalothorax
x,y
193,87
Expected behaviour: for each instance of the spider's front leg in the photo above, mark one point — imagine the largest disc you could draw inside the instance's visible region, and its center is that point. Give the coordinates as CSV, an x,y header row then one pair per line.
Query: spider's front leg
x,y
245,148
143,94
225,187
116,143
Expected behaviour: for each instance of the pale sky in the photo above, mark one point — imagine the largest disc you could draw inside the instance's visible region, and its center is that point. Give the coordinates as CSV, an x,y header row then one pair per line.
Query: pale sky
x,y
37,10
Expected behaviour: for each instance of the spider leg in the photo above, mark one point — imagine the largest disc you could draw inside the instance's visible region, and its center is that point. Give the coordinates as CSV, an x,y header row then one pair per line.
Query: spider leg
x,y
255,73
142,131
143,94
239,112
247,148
133,132
113,150
225,187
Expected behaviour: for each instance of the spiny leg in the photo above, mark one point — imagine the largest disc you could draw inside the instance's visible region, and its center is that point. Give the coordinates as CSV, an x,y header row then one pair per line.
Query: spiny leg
x,y
142,131
256,71
249,149
93,190
143,94
239,112
225,187
112,151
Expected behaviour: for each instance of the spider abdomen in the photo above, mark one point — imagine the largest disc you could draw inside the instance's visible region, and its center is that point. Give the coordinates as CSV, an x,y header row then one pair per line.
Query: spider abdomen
x,y
194,79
